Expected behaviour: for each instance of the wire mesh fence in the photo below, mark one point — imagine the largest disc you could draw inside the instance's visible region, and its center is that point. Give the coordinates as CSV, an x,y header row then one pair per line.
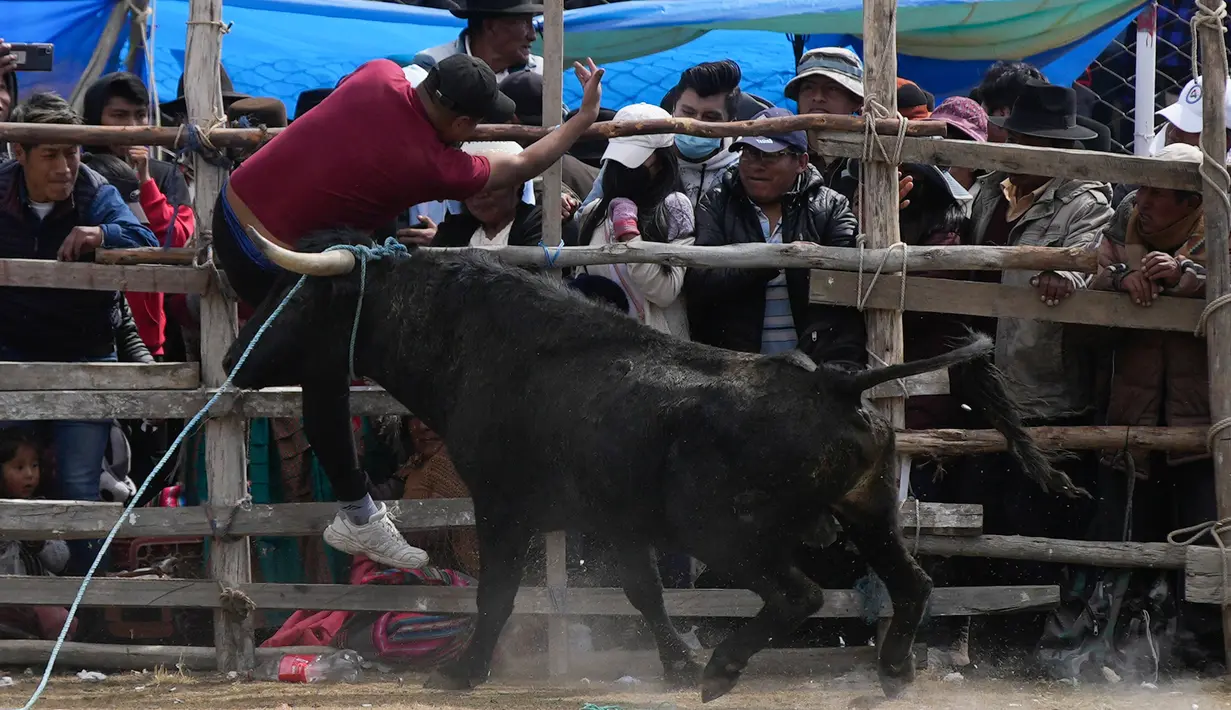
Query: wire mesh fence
x,y
1107,91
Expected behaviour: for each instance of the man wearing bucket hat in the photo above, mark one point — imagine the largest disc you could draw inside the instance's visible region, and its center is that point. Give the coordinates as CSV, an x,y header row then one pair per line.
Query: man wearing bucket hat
x,y
399,151
829,80
1039,362
773,195
499,32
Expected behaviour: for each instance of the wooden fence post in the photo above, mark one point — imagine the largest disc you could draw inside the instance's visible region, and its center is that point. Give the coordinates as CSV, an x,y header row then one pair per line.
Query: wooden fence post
x,y
225,455
1217,222
553,101
879,196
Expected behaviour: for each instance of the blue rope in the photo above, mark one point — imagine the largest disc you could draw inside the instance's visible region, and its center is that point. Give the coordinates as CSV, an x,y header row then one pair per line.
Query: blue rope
x,y
551,258
363,254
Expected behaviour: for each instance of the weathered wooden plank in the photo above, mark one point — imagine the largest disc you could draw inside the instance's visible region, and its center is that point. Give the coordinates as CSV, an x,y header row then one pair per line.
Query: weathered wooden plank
x,y
1062,162
1203,575
1147,555
251,137
30,376
109,656
77,520
598,665
945,601
997,300
954,442
41,273
171,256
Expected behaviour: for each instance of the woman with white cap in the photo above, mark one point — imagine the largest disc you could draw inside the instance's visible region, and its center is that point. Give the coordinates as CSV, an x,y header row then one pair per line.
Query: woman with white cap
x,y
640,202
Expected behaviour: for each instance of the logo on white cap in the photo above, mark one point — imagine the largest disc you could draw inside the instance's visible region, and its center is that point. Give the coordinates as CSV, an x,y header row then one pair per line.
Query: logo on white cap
x,y
1194,94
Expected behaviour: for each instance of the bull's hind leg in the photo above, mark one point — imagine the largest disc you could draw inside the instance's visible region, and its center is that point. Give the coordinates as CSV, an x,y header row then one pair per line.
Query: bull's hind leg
x,y
790,598
870,518
502,559
644,589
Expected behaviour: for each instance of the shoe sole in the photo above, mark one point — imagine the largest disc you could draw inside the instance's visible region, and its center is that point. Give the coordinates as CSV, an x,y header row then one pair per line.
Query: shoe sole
x,y
351,546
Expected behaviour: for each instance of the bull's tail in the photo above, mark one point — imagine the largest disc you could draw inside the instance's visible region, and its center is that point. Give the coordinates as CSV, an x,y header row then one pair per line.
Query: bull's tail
x,y
977,382
977,347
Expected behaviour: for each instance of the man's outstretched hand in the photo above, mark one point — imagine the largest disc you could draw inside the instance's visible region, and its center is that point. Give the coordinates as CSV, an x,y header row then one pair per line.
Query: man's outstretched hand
x,y
591,78
8,60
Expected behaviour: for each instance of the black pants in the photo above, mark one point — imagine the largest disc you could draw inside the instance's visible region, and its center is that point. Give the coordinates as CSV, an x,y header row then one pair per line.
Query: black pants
x,y
250,280
327,421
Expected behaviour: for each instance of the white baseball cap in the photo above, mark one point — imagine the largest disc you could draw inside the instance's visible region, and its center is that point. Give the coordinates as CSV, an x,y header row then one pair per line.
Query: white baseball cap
x,y
633,151
1185,114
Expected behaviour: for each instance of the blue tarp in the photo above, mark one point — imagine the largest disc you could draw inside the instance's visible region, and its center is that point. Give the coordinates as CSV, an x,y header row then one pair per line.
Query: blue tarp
x,y
282,47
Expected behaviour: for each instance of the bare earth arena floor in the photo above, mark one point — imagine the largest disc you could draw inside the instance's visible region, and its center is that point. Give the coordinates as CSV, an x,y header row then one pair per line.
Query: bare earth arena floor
x,y
857,689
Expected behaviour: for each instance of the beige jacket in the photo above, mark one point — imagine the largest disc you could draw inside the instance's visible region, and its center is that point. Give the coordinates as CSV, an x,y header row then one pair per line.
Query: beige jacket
x,y
1044,373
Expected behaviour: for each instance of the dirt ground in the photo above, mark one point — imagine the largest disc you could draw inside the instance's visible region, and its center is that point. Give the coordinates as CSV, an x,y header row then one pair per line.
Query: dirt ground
x,y
134,691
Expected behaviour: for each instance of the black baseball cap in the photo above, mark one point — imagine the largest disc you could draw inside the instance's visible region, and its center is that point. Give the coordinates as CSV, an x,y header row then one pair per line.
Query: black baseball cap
x,y
466,85
794,141
526,90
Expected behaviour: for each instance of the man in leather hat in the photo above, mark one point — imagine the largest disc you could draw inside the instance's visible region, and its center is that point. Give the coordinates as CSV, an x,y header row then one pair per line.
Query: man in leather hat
x,y
1040,363
499,32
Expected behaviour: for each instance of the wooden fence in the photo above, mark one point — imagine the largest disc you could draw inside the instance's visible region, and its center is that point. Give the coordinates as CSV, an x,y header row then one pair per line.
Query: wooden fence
x,y
69,391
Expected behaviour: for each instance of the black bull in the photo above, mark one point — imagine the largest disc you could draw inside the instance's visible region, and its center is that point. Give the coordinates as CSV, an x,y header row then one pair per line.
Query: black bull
x,y
560,413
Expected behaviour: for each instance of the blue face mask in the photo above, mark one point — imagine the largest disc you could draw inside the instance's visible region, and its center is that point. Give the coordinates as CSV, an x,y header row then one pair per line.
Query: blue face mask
x,y
696,147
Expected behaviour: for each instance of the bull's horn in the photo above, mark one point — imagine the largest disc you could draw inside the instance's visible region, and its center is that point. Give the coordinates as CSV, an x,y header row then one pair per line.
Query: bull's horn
x,y
330,263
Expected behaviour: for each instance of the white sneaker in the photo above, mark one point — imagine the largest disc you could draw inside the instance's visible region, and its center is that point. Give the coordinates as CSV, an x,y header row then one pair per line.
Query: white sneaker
x,y
378,540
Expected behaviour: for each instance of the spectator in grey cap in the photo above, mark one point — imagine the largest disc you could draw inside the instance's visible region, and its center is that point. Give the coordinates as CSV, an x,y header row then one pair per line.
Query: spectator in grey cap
x,y
774,196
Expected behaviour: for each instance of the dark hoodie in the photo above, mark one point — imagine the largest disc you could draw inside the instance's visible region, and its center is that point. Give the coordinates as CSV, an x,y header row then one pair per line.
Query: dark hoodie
x,y
10,84
164,174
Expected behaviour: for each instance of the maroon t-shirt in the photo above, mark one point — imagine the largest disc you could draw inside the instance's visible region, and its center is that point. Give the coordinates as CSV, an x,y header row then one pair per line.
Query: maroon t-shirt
x,y
358,159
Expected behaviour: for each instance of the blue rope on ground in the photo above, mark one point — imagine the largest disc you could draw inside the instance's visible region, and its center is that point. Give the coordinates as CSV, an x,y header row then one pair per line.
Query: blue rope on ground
x,y
363,254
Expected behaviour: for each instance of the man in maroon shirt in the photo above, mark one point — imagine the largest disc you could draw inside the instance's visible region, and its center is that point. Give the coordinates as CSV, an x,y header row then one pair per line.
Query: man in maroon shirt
x,y
370,150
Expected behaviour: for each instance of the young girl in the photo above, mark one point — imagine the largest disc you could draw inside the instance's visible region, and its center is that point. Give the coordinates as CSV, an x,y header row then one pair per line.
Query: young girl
x,y
20,475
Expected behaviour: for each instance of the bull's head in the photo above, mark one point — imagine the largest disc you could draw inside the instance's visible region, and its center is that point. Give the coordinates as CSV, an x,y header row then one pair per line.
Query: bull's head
x,y
309,329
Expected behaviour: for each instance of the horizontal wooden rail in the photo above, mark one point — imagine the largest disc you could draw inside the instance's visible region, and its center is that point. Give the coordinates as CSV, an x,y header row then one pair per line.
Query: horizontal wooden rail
x,y
251,137
1148,555
171,256
75,520
1027,160
799,255
965,442
575,601
271,402
971,298
84,276
789,662
29,376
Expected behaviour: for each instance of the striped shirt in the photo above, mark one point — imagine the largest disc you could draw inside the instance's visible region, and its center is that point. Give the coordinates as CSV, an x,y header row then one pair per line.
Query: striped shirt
x,y
778,332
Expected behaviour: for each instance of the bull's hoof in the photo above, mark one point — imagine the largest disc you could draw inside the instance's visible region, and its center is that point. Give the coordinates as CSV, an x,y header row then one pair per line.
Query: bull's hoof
x,y
715,687
895,679
681,675
447,678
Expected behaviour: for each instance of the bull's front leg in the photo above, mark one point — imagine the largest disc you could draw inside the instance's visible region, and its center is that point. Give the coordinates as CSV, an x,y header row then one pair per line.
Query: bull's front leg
x,y
644,588
790,598
872,524
502,559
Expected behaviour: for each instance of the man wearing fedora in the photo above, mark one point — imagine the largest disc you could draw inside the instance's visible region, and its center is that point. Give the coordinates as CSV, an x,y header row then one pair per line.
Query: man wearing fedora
x,y
1041,365
499,32
400,151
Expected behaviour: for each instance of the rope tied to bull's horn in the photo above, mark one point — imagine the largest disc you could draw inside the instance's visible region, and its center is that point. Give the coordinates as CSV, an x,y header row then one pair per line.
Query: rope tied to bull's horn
x,y
363,254
1191,535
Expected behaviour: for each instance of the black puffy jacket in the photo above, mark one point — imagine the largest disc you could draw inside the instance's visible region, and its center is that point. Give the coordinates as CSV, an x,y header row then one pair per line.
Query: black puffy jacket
x,y
726,307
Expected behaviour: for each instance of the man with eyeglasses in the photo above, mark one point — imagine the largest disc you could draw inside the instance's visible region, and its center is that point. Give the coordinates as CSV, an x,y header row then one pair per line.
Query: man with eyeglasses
x,y
774,195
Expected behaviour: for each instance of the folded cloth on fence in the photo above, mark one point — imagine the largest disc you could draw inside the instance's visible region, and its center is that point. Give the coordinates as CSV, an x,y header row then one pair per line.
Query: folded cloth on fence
x,y
407,637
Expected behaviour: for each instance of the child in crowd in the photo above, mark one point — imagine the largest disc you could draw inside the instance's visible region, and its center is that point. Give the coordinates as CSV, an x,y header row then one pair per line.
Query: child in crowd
x,y
20,478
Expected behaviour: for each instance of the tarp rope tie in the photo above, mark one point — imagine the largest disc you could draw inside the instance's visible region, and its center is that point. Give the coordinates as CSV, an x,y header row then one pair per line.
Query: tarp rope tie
x,y
230,598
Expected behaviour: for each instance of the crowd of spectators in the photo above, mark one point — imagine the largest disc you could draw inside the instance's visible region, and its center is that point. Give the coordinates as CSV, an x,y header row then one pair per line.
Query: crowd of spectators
x,y
67,201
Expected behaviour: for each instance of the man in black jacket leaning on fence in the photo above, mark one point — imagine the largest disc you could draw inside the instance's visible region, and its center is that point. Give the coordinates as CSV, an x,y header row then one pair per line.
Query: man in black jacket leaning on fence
x,y
772,196
52,207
